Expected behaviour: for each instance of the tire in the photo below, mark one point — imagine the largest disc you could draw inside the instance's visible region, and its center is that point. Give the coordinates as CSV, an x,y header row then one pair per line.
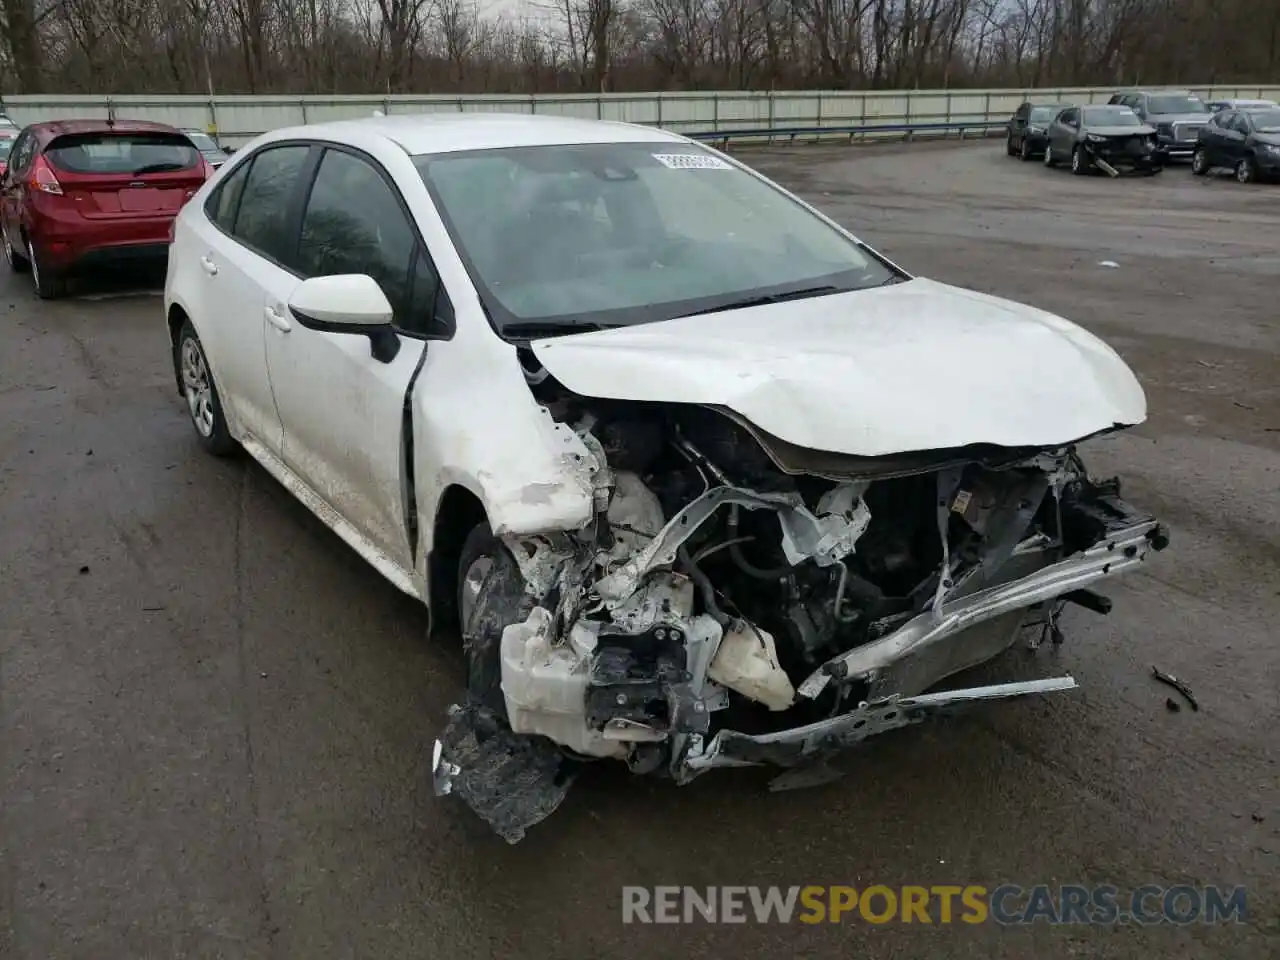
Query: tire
x,y
1200,162
1246,171
1008,145
1079,165
1048,155
1024,152
50,284
17,262
491,595
201,393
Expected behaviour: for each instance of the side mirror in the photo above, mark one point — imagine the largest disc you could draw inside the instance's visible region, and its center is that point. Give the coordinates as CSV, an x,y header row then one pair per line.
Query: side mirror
x,y
349,303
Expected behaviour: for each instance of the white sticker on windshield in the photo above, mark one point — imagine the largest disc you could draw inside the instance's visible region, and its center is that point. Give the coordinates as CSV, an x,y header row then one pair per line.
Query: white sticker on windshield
x,y
691,161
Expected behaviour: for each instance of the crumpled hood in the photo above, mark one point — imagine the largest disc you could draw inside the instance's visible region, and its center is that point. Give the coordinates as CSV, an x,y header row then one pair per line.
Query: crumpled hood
x,y
912,366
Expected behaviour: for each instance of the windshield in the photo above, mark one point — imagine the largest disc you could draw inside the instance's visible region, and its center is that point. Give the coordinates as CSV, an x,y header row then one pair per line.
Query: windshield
x,y
1178,104
1042,114
121,153
1110,117
1266,121
619,233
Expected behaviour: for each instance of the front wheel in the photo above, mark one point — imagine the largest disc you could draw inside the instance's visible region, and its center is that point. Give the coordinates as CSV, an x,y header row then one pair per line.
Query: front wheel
x,y
491,596
201,394
1079,165
1024,154
1246,171
1008,145
1200,162
1048,155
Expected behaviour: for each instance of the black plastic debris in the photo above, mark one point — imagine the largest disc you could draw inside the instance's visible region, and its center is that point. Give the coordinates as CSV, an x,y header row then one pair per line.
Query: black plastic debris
x,y
511,781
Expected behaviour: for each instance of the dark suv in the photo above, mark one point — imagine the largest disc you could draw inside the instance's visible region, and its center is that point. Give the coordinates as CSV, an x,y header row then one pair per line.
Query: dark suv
x,y
1176,115
1027,129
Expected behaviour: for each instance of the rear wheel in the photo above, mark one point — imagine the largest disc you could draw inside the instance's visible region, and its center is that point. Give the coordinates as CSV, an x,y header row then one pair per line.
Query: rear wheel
x,y
203,402
50,284
17,262
1200,162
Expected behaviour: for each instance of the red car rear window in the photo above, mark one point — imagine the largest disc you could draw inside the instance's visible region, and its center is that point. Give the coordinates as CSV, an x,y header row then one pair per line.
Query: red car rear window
x,y
122,153
6,144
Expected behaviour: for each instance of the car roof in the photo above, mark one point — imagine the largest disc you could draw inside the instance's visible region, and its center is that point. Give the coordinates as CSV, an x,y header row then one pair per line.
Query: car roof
x,y
451,132
46,130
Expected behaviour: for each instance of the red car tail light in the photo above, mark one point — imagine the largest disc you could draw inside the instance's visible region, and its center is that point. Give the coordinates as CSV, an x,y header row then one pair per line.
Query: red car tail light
x,y
42,178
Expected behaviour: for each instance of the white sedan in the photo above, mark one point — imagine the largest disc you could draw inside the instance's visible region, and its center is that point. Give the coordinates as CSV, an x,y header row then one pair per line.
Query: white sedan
x,y
701,478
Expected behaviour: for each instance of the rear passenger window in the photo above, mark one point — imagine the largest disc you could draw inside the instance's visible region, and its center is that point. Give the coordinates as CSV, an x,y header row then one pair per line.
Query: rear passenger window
x,y
262,218
222,206
354,224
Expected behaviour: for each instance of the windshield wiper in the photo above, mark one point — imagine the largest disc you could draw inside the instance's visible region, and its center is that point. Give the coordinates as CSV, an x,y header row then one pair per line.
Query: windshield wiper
x,y
167,167
539,329
766,298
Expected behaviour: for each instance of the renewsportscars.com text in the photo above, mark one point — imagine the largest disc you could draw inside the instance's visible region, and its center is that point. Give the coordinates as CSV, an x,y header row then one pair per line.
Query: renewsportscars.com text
x,y
1006,904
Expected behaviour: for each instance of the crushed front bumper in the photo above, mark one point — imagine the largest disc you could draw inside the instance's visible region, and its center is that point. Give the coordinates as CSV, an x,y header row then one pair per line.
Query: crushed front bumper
x,y
817,741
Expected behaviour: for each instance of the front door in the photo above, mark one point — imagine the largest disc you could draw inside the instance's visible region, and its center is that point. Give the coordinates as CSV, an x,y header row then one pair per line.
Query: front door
x,y
344,411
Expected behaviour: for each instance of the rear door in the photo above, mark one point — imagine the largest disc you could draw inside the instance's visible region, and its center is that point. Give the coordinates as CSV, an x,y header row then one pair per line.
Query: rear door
x,y
113,176
13,189
242,249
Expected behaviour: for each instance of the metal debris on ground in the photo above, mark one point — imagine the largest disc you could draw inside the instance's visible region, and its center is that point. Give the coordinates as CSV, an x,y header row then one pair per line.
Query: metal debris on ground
x,y
1172,681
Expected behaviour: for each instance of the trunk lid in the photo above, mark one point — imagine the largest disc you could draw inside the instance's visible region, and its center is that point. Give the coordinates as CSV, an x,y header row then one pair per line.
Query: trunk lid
x,y
126,175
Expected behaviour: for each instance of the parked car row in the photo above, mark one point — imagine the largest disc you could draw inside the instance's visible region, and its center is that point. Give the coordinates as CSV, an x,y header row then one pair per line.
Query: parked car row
x,y
79,194
1143,130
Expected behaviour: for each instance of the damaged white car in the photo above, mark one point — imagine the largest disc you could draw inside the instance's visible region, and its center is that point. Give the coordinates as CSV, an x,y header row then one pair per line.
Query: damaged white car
x,y
701,479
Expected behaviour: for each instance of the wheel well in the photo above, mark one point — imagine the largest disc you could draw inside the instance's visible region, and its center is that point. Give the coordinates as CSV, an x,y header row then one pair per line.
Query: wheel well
x,y
177,316
457,514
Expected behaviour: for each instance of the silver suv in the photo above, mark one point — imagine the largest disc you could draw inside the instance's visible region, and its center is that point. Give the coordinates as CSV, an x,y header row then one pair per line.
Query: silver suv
x,y
1176,115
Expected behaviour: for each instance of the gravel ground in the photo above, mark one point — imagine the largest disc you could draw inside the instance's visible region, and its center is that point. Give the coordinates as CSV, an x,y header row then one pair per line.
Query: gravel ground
x,y
216,720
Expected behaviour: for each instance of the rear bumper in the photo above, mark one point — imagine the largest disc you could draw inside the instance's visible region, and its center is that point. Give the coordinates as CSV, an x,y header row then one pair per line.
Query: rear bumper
x,y
95,251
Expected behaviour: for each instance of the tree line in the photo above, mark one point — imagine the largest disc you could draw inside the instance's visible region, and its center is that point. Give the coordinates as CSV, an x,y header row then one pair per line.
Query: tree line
x,y
453,46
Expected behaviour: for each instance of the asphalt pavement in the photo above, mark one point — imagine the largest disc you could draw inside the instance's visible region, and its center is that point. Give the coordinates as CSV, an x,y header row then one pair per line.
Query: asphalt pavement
x,y
216,720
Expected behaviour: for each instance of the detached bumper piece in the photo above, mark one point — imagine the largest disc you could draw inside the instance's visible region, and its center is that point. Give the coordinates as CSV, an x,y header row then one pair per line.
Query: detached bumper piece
x,y
511,781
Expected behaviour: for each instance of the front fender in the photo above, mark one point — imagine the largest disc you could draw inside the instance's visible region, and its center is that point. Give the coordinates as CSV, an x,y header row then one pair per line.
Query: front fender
x,y
489,435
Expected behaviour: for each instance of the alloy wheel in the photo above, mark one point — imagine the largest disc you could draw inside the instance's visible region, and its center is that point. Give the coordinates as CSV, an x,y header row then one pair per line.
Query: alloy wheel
x,y
1244,171
1199,163
197,387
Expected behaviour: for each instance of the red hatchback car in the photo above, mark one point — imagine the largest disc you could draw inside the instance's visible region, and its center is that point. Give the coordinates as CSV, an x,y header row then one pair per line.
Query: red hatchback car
x,y
80,194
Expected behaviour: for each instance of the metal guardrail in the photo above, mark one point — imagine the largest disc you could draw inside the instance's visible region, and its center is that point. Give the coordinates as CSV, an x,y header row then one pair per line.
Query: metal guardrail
x,y
908,130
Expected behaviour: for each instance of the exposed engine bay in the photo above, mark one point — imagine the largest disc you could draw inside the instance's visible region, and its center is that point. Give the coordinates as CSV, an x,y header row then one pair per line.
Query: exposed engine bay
x,y
736,601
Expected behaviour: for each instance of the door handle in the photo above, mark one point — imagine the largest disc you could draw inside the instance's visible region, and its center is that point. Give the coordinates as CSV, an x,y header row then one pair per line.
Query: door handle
x,y
278,320
208,266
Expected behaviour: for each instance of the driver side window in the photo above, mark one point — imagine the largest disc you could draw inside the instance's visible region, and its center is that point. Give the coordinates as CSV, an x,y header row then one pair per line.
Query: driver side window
x,y
354,223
